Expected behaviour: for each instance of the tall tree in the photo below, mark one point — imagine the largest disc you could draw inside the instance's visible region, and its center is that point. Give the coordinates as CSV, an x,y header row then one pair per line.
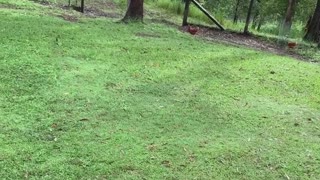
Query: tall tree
x,y
313,29
287,23
134,11
236,12
246,27
186,12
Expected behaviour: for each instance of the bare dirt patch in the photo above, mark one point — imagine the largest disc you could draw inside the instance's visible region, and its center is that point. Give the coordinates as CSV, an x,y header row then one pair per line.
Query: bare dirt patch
x,y
105,4
9,6
42,2
92,9
166,22
240,39
95,12
237,39
69,18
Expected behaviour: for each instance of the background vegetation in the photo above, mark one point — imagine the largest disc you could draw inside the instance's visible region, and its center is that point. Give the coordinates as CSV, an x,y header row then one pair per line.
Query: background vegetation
x,y
269,13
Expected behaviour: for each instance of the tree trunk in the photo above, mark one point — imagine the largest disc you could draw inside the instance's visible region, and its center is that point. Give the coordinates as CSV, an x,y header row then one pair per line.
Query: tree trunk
x,y
82,6
134,11
255,19
260,24
246,31
186,12
313,31
308,24
286,26
236,16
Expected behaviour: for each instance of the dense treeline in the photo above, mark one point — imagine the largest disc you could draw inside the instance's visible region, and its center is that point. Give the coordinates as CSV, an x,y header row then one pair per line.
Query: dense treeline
x,y
288,18
269,10
284,18
283,13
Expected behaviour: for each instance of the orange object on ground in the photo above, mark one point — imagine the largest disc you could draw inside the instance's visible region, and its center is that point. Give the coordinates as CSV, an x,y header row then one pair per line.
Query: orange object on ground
x,y
193,30
292,44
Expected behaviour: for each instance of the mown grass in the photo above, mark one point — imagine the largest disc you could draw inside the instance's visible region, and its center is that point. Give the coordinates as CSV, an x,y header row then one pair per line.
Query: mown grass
x,y
103,100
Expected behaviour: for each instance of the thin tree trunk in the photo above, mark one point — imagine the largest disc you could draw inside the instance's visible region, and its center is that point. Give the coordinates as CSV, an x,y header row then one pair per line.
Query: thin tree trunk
x,y
286,26
313,31
308,24
186,12
260,24
236,16
134,11
82,6
255,19
246,27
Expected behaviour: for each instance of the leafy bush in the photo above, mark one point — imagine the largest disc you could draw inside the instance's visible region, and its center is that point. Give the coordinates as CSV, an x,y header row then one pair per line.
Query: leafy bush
x,y
297,29
177,7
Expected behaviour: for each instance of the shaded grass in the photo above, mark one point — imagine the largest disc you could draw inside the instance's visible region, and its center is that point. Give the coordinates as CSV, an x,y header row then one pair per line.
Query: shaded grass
x,y
94,100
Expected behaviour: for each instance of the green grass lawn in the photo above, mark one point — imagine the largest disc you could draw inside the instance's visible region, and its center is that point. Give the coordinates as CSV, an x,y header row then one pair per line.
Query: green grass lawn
x,y
98,99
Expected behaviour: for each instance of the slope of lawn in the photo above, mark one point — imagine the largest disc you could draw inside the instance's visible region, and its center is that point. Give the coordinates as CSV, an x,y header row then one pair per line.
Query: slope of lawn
x,y
97,99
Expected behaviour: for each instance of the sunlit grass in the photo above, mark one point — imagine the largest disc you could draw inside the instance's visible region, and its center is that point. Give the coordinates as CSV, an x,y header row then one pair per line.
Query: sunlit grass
x,y
103,100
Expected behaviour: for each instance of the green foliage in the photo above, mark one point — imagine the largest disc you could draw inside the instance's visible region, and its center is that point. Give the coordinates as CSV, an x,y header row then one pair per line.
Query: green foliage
x,y
305,9
297,31
268,12
177,7
172,6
